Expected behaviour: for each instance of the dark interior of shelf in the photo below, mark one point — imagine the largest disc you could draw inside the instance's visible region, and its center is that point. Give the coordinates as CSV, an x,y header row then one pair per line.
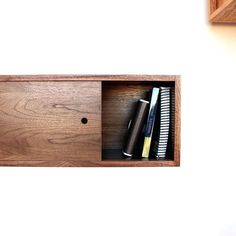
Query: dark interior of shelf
x,y
119,99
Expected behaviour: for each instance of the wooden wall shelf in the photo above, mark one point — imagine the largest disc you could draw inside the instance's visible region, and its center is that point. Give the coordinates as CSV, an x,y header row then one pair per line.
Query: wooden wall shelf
x,y
41,119
222,11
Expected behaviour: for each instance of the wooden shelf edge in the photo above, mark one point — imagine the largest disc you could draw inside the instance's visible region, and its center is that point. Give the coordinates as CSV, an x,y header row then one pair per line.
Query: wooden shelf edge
x,y
41,78
226,13
124,163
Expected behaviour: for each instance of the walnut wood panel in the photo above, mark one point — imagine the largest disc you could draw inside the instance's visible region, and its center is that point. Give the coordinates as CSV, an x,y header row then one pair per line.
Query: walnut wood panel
x,y
222,11
41,121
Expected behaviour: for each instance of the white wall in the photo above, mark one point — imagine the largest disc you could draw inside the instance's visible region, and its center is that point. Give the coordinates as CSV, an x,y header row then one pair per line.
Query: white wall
x,y
122,37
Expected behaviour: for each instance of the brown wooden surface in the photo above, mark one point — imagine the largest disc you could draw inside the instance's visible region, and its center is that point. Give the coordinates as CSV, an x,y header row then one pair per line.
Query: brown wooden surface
x,y
223,11
90,163
4,78
220,2
41,121
212,6
177,122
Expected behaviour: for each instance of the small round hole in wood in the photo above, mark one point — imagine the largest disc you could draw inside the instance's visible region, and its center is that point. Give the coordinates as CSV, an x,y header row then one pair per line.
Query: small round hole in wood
x,y
84,120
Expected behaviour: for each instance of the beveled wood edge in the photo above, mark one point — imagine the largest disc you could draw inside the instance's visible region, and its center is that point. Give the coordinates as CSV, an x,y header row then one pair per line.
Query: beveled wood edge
x,y
214,12
41,78
122,163
177,121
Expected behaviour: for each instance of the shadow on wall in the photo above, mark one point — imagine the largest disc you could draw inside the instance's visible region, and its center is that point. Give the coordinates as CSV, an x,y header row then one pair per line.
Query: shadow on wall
x,y
229,231
225,36
225,32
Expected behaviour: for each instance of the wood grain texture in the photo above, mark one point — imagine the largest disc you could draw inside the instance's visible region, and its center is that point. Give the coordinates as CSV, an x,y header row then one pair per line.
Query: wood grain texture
x,y
222,11
220,2
212,6
177,122
21,78
123,163
41,121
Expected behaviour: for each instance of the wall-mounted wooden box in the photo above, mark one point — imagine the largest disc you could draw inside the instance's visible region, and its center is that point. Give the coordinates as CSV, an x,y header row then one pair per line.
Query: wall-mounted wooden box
x,y
222,11
43,119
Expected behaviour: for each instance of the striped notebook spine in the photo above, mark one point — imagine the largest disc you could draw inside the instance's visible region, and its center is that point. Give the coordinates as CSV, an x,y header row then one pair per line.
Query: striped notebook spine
x,y
165,103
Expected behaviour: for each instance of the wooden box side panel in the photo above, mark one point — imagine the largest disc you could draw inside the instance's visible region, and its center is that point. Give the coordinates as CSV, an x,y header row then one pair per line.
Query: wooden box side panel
x,y
177,121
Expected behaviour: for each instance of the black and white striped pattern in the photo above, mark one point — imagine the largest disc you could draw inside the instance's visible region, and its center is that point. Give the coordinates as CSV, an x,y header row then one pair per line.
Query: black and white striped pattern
x,y
165,98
